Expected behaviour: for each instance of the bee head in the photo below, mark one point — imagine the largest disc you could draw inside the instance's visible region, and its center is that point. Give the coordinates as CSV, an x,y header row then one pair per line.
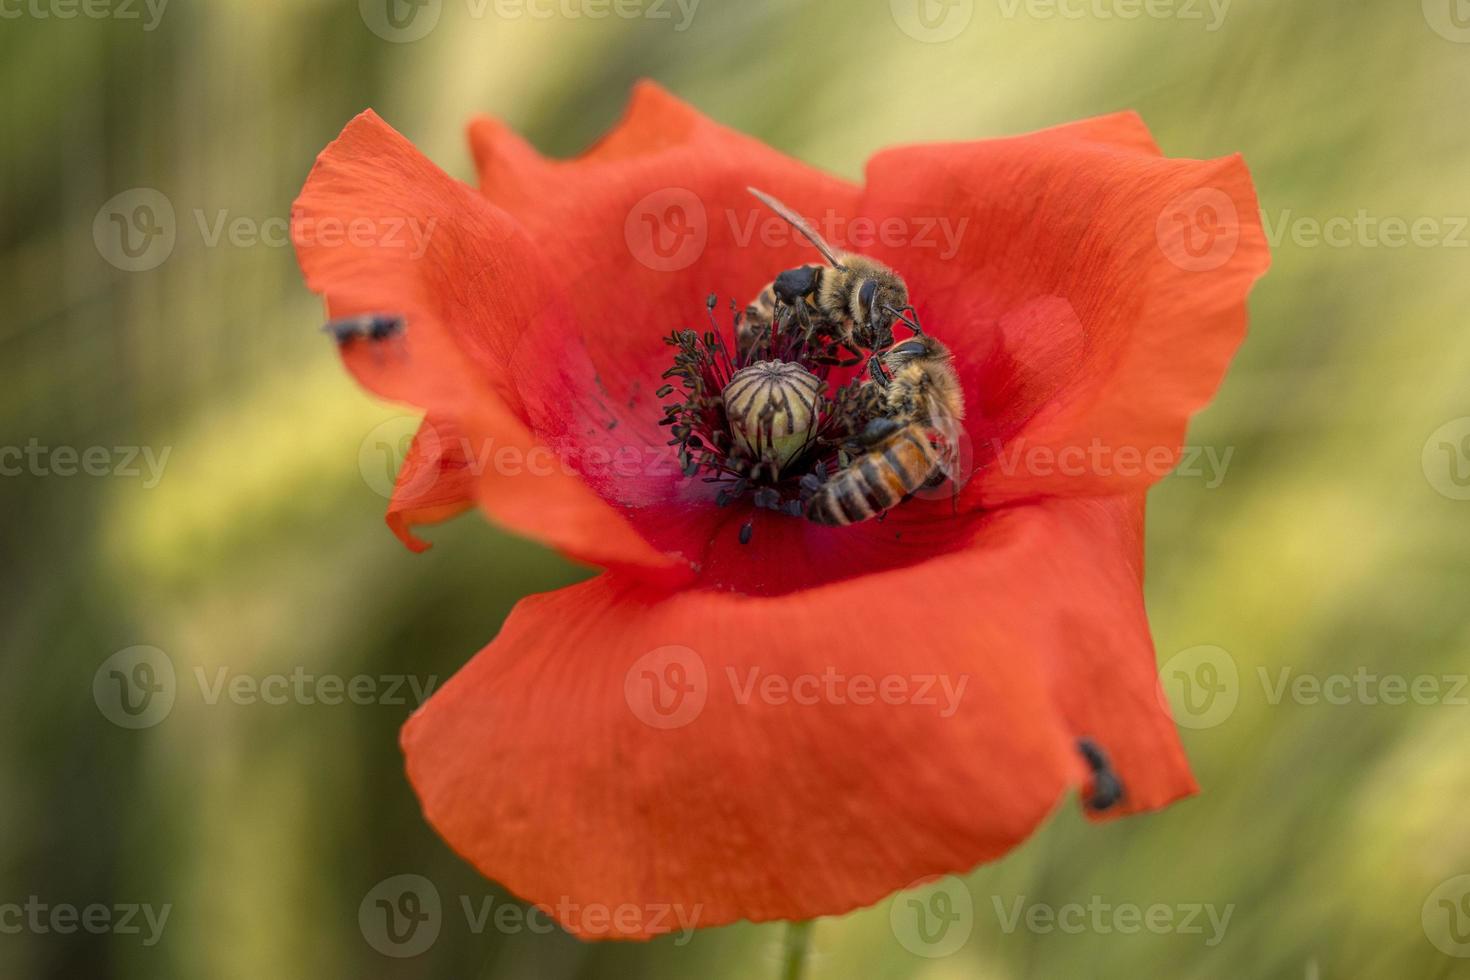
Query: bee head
x,y
874,302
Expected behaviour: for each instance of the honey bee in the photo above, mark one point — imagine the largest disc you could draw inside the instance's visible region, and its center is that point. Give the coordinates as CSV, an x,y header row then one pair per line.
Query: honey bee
x,y
856,300
913,441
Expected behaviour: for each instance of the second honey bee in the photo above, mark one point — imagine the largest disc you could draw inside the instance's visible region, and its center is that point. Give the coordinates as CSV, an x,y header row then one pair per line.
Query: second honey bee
x,y
855,299
913,442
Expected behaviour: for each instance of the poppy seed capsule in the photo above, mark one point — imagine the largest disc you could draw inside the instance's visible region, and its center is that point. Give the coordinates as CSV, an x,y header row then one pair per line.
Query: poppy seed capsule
x,y
772,408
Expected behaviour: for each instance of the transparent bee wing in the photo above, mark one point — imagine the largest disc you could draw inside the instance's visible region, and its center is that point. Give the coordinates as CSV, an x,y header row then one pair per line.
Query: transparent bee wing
x,y
944,424
799,223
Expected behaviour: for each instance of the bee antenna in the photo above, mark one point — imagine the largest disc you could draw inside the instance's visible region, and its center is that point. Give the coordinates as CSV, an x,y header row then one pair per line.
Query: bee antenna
x,y
909,317
799,223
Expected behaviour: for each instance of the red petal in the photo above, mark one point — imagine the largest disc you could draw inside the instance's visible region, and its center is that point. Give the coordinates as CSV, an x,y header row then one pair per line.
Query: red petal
x,y
378,228
434,483
1087,327
666,171
546,763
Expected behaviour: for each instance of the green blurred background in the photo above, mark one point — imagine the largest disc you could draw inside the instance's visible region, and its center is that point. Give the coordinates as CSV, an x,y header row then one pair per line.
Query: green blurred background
x,y
1335,541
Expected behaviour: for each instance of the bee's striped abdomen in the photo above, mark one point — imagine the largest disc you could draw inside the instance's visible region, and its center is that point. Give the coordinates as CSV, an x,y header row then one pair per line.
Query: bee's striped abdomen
x,y
876,481
763,307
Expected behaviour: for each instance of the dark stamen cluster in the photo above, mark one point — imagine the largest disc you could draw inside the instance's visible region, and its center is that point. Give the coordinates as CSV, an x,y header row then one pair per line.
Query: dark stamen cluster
x,y
712,443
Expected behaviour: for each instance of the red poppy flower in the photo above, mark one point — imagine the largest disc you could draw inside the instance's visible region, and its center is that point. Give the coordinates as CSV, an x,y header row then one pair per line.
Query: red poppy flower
x,y
761,730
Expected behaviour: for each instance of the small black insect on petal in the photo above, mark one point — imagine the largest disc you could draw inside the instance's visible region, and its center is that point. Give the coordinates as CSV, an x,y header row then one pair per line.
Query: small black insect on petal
x,y
746,530
371,326
1107,787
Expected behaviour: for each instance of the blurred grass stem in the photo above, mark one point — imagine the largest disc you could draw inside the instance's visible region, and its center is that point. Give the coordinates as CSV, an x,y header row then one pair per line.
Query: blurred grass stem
x,y
794,950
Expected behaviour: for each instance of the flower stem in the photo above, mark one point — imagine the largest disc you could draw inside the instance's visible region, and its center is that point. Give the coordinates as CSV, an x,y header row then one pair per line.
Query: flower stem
x,y
795,949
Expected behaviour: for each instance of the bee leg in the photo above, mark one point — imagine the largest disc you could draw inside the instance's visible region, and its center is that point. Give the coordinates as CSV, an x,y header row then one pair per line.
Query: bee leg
x,y
847,345
875,368
794,285
834,362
